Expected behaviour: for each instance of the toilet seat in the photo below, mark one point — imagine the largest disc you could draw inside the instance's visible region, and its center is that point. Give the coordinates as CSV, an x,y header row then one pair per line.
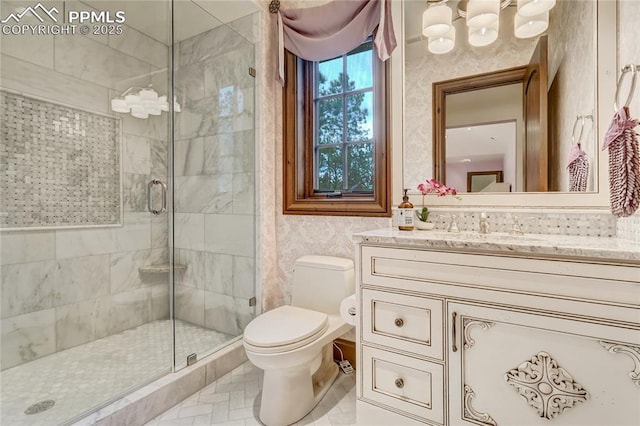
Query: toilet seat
x,y
284,329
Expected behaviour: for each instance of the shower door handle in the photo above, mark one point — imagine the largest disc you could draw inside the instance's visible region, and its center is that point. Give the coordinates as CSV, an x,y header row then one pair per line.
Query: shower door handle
x,y
163,209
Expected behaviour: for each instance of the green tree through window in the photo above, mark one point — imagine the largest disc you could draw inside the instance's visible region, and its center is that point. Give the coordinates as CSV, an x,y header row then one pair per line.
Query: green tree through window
x,y
343,137
336,145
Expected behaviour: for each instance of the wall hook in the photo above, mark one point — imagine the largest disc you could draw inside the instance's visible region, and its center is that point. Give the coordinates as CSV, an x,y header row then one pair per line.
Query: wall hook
x,y
633,69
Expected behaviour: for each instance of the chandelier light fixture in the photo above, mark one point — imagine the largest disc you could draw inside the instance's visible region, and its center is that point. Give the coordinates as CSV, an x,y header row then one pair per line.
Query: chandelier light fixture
x,y
483,21
142,102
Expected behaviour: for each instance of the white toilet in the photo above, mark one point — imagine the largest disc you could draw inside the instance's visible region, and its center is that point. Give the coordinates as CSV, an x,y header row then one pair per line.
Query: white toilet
x,y
293,344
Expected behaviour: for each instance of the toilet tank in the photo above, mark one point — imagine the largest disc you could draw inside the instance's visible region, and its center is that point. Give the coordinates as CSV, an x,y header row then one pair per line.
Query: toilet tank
x,y
321,282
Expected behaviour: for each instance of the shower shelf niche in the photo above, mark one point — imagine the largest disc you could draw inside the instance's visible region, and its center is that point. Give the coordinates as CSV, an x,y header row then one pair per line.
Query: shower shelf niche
x,y
161,268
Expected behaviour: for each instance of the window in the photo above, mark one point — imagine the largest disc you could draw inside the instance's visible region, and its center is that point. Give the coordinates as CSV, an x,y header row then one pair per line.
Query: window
x,y
336,147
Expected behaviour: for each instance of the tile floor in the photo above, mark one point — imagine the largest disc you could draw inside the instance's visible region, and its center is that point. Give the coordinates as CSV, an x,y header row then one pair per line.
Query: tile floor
x,y
234,399
87,375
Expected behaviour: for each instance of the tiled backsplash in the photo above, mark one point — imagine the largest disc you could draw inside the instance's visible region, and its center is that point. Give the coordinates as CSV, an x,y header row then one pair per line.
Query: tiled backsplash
x,y
629,228
59,166
590,223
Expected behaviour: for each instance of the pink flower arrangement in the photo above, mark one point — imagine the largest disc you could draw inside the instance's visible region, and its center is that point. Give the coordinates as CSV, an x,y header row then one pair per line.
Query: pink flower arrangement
x,y
432,186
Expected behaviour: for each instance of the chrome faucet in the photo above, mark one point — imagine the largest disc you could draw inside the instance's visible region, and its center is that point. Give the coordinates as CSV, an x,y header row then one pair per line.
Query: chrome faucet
x,y
453,226
484,224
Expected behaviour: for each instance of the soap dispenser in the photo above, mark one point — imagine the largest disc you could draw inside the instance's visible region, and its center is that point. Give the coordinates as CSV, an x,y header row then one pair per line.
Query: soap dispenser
x,y
405,214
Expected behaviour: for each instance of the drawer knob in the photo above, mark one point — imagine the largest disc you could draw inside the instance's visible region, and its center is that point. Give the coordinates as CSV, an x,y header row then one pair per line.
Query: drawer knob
x,y
399,383
399,322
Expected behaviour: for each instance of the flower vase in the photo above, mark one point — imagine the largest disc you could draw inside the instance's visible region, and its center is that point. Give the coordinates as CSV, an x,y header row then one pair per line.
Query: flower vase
x,y
420,225
424,226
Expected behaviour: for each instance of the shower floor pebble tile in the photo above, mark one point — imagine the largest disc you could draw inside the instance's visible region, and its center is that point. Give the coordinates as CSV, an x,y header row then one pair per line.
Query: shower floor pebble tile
x,y
84,376
234,399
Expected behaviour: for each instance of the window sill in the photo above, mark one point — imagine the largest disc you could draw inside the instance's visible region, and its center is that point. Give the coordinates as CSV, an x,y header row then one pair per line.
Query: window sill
x,y
351,206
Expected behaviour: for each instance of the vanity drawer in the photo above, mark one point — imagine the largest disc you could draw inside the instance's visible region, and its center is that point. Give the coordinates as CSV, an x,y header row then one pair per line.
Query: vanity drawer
x,y
408,323
413,386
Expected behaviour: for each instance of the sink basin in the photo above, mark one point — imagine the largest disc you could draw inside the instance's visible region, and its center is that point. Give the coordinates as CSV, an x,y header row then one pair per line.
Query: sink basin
x,y
476,236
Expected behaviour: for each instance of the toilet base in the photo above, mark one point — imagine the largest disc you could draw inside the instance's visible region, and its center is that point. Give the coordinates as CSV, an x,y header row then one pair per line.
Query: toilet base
x,y
290,394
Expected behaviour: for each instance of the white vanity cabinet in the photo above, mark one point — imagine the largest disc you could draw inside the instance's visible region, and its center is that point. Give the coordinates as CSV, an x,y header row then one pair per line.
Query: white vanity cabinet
x,y
489,338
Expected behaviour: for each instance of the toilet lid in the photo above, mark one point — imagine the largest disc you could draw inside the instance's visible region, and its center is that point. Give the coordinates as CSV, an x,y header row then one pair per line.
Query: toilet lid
x,y
284,326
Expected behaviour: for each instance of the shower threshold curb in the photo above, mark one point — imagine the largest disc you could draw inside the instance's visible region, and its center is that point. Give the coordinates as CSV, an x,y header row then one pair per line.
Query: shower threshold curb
x,y
151,400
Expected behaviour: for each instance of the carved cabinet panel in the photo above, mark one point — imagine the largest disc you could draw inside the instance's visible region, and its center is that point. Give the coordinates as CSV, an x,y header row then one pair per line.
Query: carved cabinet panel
x,y
509,367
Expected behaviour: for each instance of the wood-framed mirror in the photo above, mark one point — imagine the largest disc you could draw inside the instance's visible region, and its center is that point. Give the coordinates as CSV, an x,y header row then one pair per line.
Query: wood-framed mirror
x,y
420,70
446,90
511,95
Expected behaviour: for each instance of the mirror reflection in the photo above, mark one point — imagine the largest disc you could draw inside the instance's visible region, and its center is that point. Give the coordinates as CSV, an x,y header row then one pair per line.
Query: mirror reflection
x,y
465,122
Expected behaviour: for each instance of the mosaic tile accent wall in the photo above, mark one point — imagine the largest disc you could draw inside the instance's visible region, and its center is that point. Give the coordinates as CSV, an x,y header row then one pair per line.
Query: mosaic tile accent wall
x,y
59,166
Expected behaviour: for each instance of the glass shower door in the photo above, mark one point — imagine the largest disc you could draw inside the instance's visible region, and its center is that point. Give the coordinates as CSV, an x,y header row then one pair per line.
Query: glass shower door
x,y
214,165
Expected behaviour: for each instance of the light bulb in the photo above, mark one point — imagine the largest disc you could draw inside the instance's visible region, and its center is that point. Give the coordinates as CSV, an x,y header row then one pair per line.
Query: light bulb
x,y
148,95
483,36
139,112
154,110
151,104
534,7
444,43
133,100
119,105
530,26
436,20
481,13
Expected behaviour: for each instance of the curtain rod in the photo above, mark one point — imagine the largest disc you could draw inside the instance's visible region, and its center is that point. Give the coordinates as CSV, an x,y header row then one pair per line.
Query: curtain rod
x,y
274,6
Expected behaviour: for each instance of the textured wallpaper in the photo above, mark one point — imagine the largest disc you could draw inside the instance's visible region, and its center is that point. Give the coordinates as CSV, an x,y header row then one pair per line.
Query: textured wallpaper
x,y
286,238
266,90
629,53
571,66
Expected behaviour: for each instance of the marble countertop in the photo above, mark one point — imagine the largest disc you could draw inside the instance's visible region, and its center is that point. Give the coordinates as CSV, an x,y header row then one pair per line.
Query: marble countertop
x,y
564,246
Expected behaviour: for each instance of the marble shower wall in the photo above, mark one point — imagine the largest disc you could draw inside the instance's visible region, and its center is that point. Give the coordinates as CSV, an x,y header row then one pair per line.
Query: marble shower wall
x,y
215,177
63,288
629,53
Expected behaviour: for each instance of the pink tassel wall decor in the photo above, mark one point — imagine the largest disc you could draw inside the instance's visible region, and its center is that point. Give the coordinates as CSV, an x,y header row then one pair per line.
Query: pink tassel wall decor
x,y
578,169
624,164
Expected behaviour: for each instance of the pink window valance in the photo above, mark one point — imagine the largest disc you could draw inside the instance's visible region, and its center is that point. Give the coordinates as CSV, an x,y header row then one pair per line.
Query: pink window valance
x,y
333,29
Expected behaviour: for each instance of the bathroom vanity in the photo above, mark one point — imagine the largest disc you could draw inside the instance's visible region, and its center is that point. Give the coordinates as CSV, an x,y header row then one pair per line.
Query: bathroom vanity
x,y
497,330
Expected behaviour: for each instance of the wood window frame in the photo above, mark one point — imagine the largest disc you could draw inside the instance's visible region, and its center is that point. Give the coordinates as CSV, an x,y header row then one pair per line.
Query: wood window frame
x,y
298,150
